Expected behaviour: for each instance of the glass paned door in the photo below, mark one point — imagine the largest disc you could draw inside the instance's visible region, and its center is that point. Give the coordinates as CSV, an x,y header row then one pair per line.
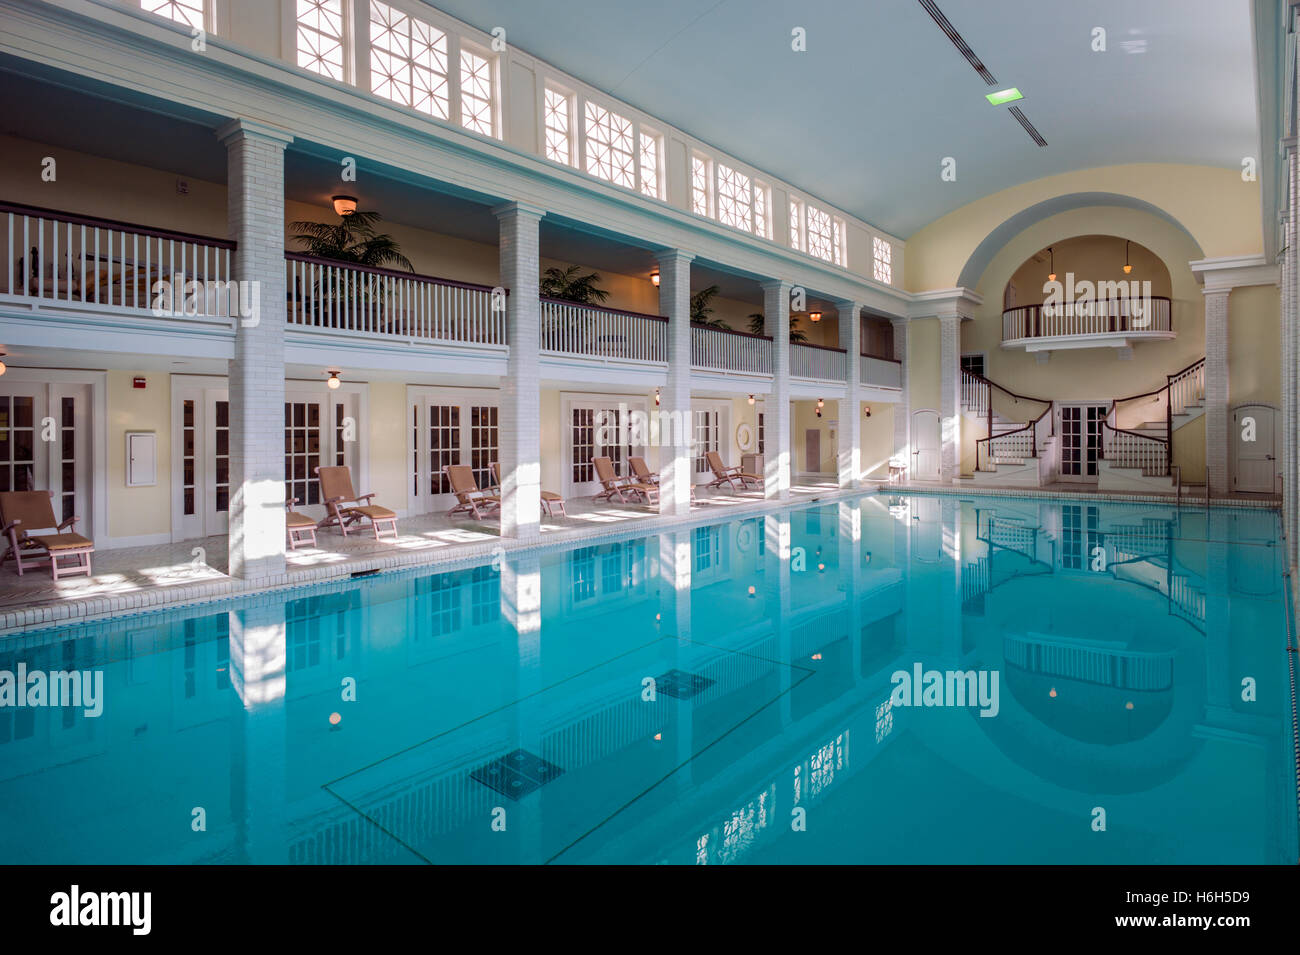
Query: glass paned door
x,y
450,429
1080,441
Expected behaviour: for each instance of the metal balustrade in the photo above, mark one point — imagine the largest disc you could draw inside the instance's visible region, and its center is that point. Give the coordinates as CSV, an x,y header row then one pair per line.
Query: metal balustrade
x,y
72,260
568,328
385,304
717,349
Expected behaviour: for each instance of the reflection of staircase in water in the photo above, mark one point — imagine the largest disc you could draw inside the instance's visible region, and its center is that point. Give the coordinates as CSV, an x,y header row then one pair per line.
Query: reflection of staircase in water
x,y
1143,554
983,575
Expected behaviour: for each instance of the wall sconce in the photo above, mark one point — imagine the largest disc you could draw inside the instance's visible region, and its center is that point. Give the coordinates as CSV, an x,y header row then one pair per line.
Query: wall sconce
x,y
1127,268
345,205
821,403
3,369
752,591
751,399
654,278
333,381
656,397
814,317
866,412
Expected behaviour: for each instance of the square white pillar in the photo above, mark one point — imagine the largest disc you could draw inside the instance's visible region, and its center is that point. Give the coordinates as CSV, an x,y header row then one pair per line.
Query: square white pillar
x,y
777,461
255,217
949,390
1216,389
520,461
673,431
849,452
903,408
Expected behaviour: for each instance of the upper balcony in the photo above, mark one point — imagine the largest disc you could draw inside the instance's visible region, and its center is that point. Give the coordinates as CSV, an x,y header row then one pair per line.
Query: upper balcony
x,y
1104,323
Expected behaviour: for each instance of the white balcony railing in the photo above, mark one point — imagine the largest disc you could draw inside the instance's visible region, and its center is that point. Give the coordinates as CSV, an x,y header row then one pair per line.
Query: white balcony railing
x,y
381,303
75,261
817,361
882,372
718,349
1114,316
572,329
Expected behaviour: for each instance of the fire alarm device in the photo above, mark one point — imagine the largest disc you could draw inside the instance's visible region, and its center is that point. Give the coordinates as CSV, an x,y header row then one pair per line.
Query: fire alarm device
x,y
137,382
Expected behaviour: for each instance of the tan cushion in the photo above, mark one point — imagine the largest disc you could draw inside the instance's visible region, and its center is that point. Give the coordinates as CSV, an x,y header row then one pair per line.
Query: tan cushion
x,y
551,496
375,512
296,519
64,542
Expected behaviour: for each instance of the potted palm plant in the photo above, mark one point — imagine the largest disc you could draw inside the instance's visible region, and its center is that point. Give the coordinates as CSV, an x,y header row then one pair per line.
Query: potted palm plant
x,y
568,285
352,240
757,322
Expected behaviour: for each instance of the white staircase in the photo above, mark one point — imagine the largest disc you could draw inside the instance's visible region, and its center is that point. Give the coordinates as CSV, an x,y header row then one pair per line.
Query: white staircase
x,y
1011,453
1140,457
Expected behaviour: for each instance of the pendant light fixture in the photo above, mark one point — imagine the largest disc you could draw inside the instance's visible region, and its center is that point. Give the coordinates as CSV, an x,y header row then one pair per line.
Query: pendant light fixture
x,y
1051,269
1127,268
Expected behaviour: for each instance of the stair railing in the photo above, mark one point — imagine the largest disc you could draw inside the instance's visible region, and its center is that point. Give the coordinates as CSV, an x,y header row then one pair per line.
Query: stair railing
x,y
977,397
1155,456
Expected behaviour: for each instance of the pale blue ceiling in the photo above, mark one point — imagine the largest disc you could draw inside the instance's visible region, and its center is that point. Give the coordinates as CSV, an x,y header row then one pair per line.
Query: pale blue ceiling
x,y
864,118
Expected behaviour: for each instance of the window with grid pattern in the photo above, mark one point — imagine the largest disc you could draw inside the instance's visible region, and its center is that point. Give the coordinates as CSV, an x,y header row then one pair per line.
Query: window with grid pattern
x,y
882,254
818,228
477,93
796,225
557,117
320,37
699,185
188,12
762,218
444,445
609,146
651,184
735,199
408,61
302,446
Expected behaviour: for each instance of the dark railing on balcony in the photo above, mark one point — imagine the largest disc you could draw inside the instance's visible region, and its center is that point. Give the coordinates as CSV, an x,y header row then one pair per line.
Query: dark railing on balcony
x,y
383,303
723,349
569,328
1101,317
70,259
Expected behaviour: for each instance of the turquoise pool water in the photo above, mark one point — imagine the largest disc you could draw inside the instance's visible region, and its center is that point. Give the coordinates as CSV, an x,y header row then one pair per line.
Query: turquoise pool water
x,y
718,694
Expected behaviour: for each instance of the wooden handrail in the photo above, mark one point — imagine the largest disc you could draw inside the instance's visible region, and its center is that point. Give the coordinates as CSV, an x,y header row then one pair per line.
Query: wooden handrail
x,y
842,351
1136,434
601,308
896,361
99,223
1093,303
1024,427
1007,391
387,273
730,331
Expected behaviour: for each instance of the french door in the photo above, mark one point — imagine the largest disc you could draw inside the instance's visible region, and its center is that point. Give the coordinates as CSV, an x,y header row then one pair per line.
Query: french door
x,y
598,426
450,427
709,430
44,444
1081,441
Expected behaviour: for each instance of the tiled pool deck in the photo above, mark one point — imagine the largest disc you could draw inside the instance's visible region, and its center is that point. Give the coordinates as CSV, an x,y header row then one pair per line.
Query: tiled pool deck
x,y
134,579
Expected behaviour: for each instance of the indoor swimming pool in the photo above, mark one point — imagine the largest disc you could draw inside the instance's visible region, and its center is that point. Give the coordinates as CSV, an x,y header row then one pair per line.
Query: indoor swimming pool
x,y
1078,682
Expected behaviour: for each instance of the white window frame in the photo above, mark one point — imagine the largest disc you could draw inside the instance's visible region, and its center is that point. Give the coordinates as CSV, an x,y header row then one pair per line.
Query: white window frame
x,y
410,60
796,224
634,145
743,216
571,115
420,500
206,13
347,42
882,269
494,78
706,178
650,133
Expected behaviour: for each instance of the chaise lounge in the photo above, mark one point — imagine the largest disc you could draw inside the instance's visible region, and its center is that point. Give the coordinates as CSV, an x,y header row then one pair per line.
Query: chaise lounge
x,y
470,498
615,486
22,512
347,507
731,476
300,529
550,499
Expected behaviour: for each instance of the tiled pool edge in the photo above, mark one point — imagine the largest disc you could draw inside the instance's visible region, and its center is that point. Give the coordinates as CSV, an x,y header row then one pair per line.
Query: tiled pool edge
x,y
45,617
51,616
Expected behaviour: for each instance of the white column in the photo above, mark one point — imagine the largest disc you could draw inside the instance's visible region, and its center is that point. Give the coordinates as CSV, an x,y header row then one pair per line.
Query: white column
x,y
949,390
1290,363
255,218
850,437
521,431
903,409
777,452
674,431
1216,389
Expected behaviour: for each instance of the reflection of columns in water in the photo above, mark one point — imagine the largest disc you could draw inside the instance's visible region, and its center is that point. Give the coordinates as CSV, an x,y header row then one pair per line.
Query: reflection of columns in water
x,y
257,672
776,598
675,622
1219,678
949,582
521,611
850,540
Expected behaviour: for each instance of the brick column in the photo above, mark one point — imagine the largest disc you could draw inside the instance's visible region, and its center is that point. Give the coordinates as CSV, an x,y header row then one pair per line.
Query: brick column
x,y
1216,389
255,219
777,460
850,436
949,390
1290,362
674,431
521,424
903,408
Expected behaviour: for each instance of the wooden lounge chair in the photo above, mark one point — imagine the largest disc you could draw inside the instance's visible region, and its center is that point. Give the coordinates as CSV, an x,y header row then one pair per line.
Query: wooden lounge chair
x,y
615,486
550,499
470,498
22,512
300,528
641,472
346,507
731,476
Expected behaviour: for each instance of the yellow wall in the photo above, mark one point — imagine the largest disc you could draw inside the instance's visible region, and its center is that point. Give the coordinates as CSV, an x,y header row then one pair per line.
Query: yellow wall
x,y
139,511
1219,210
1095,258
390,440
877,439
923,363
1254,340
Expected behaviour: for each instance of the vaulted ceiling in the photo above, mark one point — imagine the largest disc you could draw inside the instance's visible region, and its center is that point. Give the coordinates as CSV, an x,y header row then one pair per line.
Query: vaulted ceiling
x,y
864,118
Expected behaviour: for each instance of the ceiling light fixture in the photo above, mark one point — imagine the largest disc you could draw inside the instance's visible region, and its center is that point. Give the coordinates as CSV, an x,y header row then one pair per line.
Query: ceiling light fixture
x,y
345,205
814,317
654,278
1003,96
2,364
333,381
751,399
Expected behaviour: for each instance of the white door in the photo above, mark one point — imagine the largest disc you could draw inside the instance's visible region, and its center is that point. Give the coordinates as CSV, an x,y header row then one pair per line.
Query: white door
x,y
1080,441
710,424
450,427
44,444
200,459
925,445
595,427
1254,452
